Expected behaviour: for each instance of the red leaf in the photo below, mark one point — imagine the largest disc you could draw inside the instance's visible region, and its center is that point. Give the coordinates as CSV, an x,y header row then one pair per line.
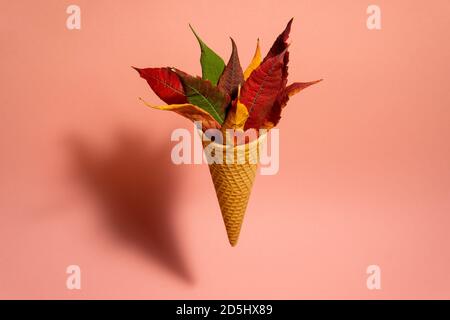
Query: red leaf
x,y
285,69
165,83
260,90
280,43
232,75
296,87
274,116
279,46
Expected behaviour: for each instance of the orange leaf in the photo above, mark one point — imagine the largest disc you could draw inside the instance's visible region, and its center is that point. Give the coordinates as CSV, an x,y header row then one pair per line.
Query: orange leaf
x,y
236,117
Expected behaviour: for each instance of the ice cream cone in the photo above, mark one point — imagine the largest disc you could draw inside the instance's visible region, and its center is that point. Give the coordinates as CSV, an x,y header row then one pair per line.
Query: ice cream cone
x,y
233,182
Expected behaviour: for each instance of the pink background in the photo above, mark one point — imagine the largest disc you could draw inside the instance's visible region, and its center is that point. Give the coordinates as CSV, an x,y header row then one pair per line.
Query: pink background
x,y
85,168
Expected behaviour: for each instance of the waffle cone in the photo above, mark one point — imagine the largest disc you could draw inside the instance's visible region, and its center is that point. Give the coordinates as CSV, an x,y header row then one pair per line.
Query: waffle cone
x,y
233,183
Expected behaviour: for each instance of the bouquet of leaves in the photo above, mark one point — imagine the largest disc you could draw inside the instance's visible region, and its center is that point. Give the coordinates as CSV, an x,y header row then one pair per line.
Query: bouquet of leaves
x,y
226,97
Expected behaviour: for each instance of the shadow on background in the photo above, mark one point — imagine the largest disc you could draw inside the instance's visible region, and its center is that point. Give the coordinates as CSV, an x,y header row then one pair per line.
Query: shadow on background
x,y
135,183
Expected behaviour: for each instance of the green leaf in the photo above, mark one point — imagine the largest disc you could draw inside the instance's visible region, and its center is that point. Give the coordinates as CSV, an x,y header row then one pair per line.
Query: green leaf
x,y
203,94
212,64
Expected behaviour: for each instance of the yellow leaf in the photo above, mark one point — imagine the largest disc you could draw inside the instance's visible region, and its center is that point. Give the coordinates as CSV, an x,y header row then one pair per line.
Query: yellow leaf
x,y
190,111
237,116
240,116
256,61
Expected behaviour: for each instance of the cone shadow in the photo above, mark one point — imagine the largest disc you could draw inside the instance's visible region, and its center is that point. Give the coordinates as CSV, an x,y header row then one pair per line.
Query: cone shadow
x,y
136,185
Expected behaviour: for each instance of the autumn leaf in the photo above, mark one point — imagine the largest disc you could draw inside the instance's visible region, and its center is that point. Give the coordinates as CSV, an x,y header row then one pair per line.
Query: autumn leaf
x,y
256,61
274,116
206,96
190,112
296,87
212,64
165,83
261,89
280,44
232,76
236,116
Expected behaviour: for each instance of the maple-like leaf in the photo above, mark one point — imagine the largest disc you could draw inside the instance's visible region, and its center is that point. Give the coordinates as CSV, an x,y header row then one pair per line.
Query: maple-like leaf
x,y
190,112
256,61
232,76
261,89
274,115
203,94
212,64
165,83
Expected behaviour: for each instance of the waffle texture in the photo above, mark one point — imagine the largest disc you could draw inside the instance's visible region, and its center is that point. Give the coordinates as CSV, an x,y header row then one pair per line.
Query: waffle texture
x,y
233,183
